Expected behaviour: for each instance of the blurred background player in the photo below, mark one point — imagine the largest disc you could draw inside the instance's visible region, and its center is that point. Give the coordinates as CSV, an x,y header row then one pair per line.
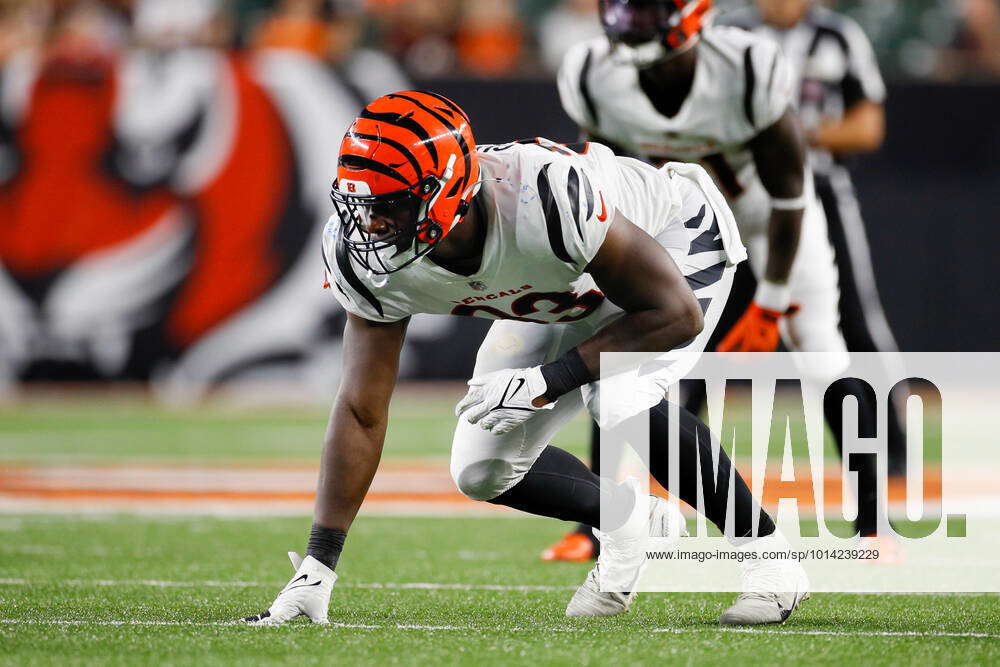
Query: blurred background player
x,y
568,24
840,96
661,87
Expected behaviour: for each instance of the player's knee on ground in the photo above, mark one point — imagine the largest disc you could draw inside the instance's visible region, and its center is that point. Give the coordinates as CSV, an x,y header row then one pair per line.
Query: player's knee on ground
x,y
483,480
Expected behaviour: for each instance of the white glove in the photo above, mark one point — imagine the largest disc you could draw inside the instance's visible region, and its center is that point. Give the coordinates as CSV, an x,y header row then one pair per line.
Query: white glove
x,y
307,594
501,401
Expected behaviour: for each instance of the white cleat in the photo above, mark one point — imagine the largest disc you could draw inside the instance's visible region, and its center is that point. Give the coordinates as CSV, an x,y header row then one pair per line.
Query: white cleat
x,y
590,601
772,590
307,594
623,558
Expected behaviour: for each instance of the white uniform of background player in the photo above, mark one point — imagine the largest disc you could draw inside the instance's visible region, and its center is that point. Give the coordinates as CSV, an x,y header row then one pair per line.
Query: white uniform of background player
x,y
548,210
741,86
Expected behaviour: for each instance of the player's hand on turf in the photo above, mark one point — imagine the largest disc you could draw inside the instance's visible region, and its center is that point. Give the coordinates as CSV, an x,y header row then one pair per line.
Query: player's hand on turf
x,y
756,331
503,400
307,594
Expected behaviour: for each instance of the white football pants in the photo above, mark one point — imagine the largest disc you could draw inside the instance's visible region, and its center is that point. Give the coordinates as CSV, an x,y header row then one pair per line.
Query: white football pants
x,y
484,465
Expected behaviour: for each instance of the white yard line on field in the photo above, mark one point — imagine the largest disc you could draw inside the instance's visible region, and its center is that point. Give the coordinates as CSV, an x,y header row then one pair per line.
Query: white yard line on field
x,y
156,583
831,633
399,585
469,628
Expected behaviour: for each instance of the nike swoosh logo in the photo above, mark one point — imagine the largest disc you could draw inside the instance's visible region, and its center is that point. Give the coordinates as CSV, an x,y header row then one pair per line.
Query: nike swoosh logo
x,y
304,577
507,393
304,586
520,383
604,209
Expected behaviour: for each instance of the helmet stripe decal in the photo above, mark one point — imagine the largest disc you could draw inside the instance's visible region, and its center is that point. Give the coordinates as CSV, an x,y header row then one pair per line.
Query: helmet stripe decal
x,y
449,103
359,162
344,264
553,221
441,119
390,142
406,123
573,189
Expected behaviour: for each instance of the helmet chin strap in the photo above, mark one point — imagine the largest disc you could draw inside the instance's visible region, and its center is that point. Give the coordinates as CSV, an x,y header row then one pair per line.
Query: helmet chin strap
x,y
470,192
381,280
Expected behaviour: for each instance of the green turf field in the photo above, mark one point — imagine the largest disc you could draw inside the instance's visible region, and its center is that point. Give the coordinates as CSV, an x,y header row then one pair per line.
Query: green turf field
x,y
91,430
125,590
101,431
130,590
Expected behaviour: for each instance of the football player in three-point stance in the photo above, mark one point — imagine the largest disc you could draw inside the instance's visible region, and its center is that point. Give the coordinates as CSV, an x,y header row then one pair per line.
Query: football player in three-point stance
x,y
573,252
661,86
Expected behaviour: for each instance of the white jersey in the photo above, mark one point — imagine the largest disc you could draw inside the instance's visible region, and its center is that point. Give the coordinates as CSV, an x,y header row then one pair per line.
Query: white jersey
x,y
742,85
832,63
548,210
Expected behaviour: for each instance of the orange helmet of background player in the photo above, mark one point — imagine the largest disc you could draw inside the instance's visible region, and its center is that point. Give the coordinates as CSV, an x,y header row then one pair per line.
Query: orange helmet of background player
x,y
409,158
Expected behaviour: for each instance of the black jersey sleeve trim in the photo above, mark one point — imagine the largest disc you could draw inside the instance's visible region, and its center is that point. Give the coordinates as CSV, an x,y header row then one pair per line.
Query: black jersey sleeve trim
x,y
770,76
751,84
553,221
346,270
326,262
588,99
709,240
705,277
588,192
826,31
695,221
573,190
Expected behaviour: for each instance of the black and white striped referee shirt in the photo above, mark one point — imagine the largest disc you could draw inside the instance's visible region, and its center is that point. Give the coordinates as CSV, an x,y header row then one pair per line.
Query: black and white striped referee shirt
x,y
831,61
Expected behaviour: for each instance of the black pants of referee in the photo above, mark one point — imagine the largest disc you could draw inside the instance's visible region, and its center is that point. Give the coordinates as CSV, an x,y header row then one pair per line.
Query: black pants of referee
x,y
862,319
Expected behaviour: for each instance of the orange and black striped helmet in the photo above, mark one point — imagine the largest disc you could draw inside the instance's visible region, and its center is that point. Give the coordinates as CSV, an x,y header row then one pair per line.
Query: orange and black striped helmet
x,y
407,172
650,30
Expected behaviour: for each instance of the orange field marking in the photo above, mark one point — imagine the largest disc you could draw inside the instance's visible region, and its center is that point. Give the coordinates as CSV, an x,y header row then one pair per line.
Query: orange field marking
x,y
396,483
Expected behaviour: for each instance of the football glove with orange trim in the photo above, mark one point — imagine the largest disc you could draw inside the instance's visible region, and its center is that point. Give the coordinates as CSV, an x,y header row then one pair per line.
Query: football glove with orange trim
x,y
756,331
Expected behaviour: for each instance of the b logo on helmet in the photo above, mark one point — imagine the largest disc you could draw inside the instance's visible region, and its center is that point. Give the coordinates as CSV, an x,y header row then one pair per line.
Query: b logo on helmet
x,y
351,187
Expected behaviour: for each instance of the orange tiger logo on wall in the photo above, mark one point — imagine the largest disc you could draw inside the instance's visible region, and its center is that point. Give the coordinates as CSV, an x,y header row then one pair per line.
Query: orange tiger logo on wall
x,y
61,204
115,277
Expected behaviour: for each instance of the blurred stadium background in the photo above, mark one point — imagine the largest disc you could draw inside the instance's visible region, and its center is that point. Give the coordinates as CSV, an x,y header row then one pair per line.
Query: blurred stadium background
x,y
164,168
164,171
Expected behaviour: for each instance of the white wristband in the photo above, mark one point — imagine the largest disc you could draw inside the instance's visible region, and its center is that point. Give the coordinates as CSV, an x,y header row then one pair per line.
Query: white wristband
x,y
796,204
773,296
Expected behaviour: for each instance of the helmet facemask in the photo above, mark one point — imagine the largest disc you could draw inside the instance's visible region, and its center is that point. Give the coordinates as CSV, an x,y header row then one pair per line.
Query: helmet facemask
x,y
410,232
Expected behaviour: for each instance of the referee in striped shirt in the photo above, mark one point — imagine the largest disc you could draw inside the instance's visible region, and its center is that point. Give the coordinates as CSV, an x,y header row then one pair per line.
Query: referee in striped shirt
x,y
840,103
